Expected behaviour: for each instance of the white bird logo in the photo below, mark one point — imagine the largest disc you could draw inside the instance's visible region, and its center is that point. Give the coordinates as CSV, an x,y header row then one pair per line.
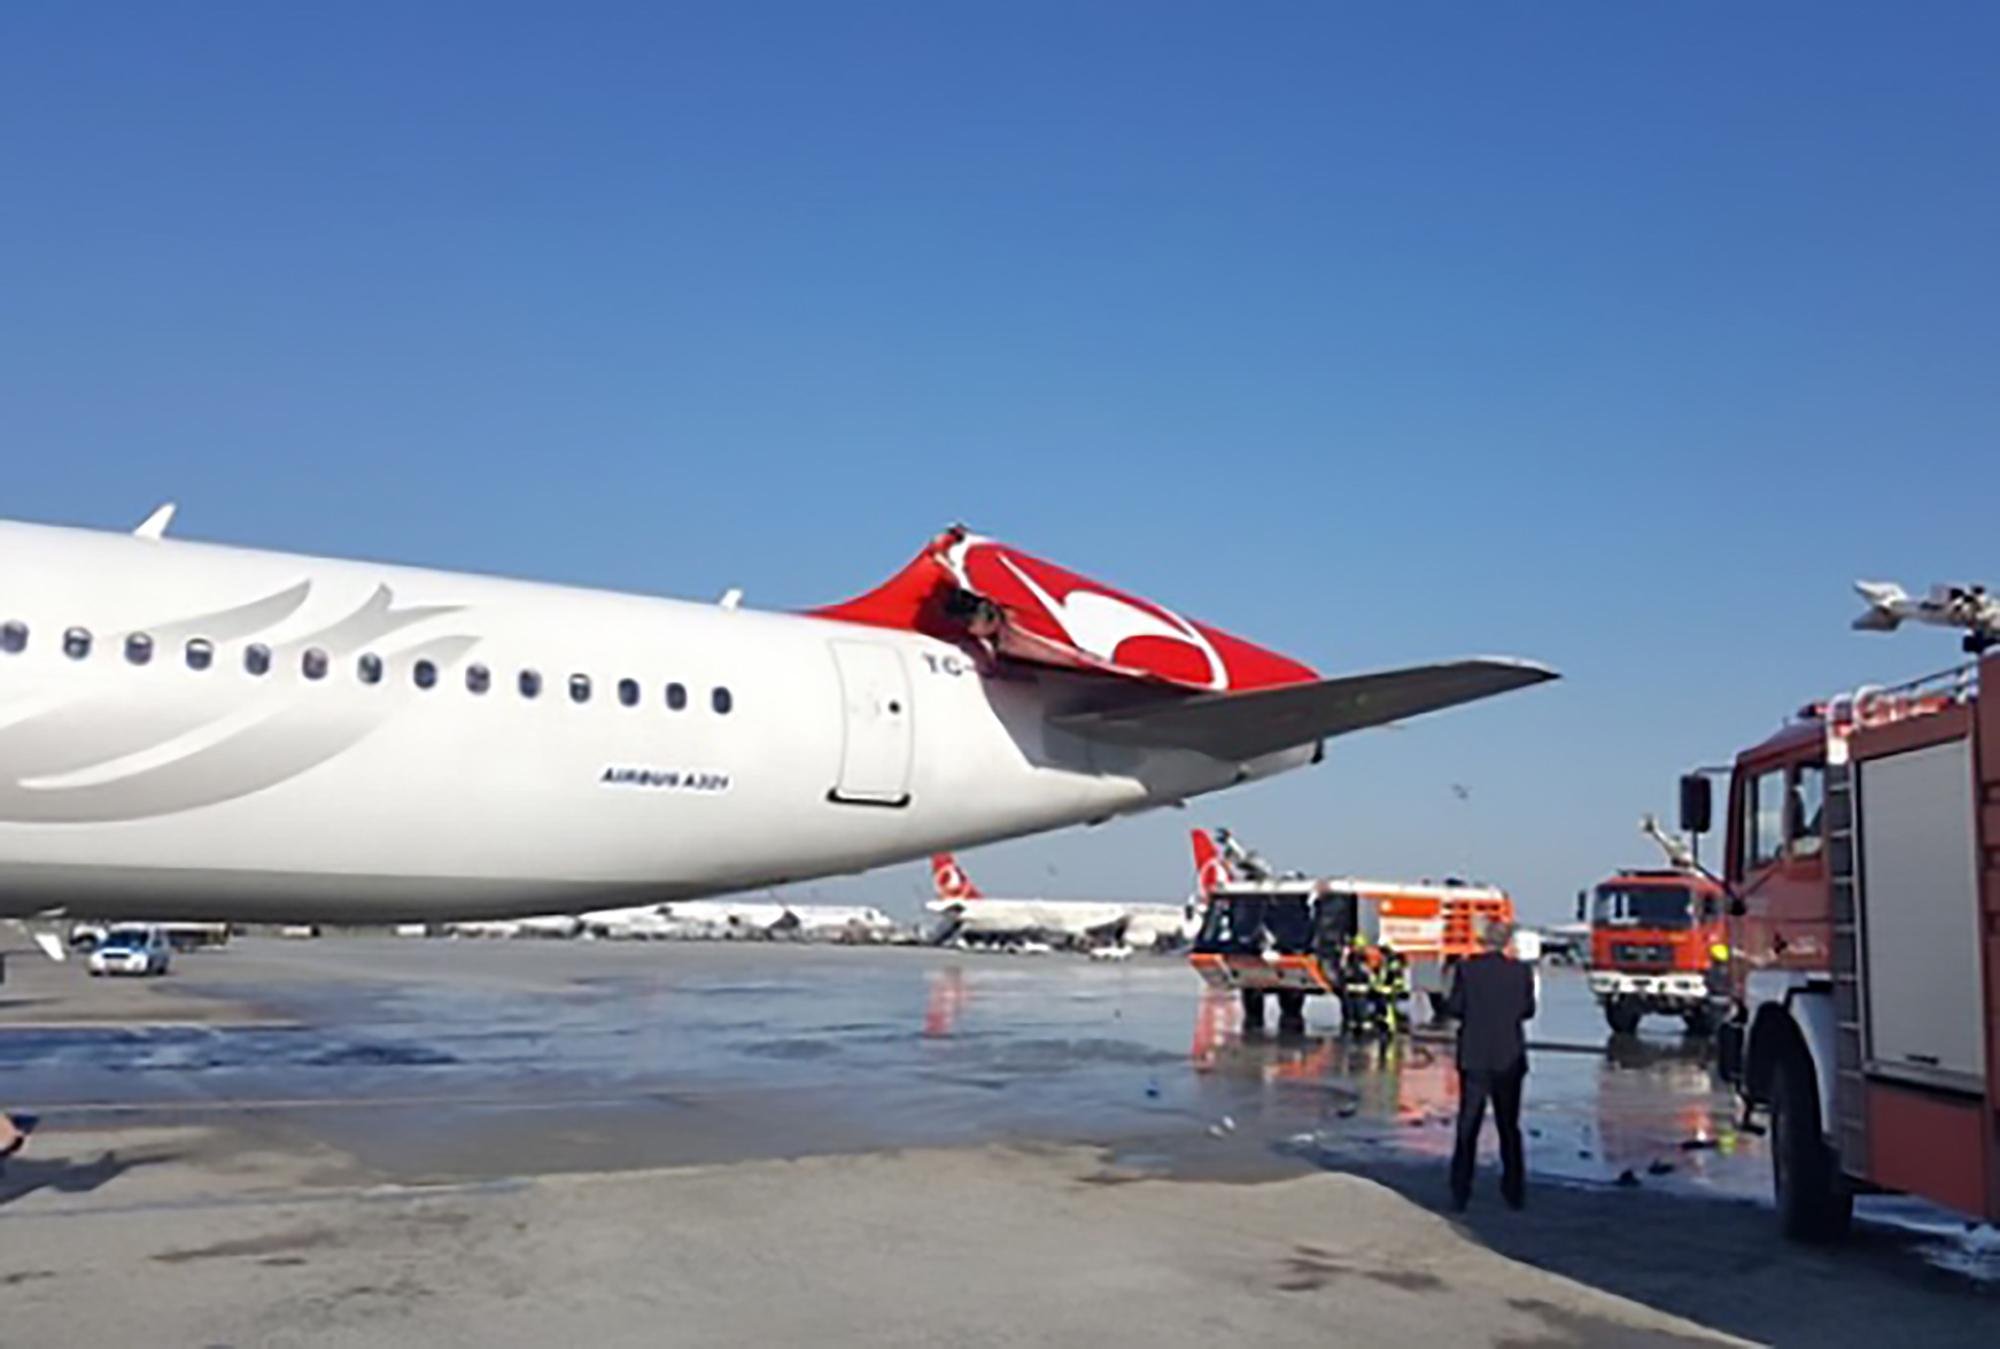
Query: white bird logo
x,y
1099,623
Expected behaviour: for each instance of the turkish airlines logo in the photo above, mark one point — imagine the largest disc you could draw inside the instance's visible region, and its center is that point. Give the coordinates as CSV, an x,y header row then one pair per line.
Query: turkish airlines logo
x,y
1214,874
1099,624
950,880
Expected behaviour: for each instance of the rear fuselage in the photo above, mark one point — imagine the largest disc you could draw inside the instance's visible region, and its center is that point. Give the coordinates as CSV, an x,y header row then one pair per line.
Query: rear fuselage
x,y
196,731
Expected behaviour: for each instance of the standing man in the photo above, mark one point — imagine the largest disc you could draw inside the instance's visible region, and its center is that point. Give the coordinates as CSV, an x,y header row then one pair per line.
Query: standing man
x,y
1491,999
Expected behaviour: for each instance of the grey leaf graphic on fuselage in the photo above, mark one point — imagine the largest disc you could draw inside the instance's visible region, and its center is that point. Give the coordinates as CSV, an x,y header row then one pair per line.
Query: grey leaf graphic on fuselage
x,y
229,625
374,620
285,725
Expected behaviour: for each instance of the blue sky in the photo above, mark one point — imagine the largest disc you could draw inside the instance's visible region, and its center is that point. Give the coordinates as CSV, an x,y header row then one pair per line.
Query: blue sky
x,y
1618,336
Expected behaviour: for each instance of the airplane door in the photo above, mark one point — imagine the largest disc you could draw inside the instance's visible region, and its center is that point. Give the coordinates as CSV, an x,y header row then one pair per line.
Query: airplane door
x,y
877,722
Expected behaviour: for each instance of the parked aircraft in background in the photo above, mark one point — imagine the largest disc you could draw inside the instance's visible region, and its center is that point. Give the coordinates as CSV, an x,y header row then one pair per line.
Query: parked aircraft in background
x,y
726,918
540,925
193,731
970,916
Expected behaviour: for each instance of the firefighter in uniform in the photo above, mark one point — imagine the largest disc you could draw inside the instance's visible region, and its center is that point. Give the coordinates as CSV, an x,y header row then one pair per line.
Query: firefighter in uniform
x,y
1357,989
1394,985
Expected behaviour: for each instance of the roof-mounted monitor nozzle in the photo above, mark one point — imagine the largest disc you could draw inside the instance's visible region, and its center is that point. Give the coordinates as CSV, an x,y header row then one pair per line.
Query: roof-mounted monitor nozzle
x,y
1679,855
1245,863
1965,607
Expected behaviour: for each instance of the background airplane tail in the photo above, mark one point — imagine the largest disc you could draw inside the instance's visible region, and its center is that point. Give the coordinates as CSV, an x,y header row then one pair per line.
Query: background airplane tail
x,y
1211,868
949,880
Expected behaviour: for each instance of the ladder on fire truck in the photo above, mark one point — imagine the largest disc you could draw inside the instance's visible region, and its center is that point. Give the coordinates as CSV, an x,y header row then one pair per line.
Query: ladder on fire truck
x,y
1850,1100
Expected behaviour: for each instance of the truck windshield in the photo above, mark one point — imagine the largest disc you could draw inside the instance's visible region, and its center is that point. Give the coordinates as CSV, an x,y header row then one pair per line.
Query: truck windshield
x,y
1643,906
125,940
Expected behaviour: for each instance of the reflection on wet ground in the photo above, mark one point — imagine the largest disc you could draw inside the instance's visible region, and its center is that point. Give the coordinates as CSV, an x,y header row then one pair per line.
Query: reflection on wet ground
x,y
463,1059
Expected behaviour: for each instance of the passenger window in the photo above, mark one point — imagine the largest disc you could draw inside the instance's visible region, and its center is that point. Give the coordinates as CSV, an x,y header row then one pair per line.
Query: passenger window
x,y
579,688
139,649
369,668
14,638
257,658
531,684
628,692
677,696
478,678
721,701
425,673
76,643
314,663
1808,807
200,653
1767,817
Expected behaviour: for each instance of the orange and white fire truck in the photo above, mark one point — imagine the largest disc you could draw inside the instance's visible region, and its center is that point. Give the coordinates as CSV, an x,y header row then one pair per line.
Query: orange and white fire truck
x,y
1863,864
1264,934
1657,943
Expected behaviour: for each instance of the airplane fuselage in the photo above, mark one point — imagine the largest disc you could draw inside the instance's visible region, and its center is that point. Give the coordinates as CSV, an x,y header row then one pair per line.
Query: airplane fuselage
x,y
205,732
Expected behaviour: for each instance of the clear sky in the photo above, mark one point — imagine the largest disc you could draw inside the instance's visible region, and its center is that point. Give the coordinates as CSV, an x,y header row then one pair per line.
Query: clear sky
x,y
1619,336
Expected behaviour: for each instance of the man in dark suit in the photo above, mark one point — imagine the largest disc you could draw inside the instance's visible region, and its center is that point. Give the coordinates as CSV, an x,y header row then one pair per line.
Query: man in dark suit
x,y
1492,997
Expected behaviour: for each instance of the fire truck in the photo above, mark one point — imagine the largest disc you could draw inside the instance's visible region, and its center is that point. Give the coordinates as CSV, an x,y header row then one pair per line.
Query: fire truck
x,y
1658,946
1863,869
1265,935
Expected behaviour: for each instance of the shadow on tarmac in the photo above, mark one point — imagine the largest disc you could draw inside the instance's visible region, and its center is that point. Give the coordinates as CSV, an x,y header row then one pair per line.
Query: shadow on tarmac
x,y
1720,1264
22,1176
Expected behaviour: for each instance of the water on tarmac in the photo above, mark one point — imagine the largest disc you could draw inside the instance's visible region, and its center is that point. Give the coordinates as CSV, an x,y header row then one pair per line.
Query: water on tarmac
x,y
468,1059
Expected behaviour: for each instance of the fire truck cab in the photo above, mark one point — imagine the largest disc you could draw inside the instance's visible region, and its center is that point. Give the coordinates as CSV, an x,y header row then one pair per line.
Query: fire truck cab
x,y
1863,869
1657,948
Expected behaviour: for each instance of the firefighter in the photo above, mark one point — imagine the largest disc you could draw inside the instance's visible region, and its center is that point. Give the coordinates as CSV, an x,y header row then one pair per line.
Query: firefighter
x,y
1394,985
1357,988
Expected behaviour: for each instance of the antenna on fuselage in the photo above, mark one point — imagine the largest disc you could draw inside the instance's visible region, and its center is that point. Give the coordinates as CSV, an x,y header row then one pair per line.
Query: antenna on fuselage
x,y
154,527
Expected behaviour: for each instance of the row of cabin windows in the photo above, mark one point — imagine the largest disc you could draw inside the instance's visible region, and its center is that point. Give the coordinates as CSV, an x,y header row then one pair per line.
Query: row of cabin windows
x,y
315,664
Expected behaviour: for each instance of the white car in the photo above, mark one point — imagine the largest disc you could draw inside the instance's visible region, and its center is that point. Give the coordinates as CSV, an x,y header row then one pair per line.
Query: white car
x,y
132,950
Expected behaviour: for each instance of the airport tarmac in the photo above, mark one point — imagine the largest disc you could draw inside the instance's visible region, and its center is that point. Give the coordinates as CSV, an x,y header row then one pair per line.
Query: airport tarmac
x,y
370,1140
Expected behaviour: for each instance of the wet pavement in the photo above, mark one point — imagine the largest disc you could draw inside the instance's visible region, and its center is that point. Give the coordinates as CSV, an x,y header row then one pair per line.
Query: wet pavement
x,y
467,1060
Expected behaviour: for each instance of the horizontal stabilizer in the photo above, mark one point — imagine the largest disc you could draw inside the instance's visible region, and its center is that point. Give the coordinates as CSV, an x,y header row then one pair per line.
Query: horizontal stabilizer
x,y
1263,721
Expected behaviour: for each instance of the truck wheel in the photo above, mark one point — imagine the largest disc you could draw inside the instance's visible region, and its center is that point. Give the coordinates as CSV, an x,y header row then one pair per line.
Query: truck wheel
x,y
1291,1013
1814,1203
1622,1015
1699,1021
1253,1010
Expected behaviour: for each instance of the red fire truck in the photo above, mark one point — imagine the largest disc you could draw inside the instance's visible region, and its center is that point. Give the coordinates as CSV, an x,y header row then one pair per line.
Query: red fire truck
x,y
1863,865
1658,948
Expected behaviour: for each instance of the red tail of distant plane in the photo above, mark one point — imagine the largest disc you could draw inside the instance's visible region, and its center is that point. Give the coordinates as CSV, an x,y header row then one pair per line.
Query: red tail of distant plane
x,y
1211,868
948,878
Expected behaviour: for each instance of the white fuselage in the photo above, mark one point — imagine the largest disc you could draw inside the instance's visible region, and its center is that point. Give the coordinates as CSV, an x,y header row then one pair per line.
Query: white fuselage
x,y
1160,925
438,790
1064,920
